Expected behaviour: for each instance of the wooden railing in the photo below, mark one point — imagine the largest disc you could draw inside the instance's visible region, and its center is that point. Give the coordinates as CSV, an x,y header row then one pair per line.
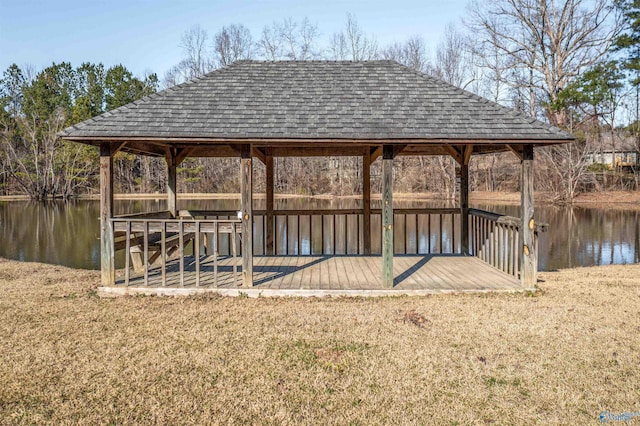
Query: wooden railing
x,y
341,231
496,239
159,238
152,238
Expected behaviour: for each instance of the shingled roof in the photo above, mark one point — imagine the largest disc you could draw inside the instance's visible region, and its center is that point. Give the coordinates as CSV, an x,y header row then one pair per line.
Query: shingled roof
x,y
312,101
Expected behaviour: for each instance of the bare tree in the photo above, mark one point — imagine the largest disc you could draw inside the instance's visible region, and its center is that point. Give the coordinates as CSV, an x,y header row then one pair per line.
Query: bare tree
x,y
269,45
548,42
197,61
290,40
453,63
351,43
232,43
412,53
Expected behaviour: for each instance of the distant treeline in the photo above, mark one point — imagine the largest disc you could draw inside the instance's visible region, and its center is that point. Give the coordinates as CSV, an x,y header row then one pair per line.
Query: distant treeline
x,y
572,63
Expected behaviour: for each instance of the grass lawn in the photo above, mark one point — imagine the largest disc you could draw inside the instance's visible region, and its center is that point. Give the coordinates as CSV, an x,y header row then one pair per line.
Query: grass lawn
x,y
562,355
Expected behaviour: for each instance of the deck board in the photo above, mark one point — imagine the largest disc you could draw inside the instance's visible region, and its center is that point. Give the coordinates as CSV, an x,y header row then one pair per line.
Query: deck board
x,y
433,273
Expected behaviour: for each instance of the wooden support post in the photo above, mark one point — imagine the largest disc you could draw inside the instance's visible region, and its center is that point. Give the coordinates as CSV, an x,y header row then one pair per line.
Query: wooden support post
x,y
464,200
366,202
464,208
387,216
107,258
246,190
528,260
269,216
172,182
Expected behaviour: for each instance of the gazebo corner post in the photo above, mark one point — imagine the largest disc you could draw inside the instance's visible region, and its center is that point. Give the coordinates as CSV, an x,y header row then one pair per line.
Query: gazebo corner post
x,y
464,200
528,259
366,202
246,196
107,257
269,223
387,216
172,179
464,209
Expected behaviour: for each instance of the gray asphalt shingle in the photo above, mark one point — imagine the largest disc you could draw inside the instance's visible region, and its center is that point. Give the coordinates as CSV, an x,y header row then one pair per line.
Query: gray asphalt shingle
x,y
315,100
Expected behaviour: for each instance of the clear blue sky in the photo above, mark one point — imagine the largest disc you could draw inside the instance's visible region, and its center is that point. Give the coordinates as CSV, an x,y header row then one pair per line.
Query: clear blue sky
x,y
144,35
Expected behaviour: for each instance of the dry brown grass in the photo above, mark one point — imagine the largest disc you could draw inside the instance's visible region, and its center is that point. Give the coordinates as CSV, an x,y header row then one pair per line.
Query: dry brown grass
x,y
562,355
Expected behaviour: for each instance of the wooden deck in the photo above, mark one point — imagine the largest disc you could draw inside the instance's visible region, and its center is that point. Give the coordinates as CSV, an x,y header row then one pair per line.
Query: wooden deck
x,y
327,275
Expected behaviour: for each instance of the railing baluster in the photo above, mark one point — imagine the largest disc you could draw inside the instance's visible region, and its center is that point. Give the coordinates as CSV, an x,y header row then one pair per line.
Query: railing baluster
x,y
453,234
196,251
163,248
235,255
181,250
346,235
429,233
299,246
310,235
146,252
215,253
334,235
405,232
417,235
127,254
441,239
358,251
322,233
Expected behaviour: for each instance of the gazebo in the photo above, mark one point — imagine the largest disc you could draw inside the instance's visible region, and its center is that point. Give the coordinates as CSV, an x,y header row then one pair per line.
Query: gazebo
x,y
261,110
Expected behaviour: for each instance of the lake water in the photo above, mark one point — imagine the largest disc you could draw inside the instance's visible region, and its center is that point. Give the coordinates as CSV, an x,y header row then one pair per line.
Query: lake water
x,y
68,233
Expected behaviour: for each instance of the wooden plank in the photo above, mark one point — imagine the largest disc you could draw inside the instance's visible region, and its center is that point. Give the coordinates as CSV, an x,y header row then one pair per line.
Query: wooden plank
x,y
387,216
246,190
366,202
107,253
528,260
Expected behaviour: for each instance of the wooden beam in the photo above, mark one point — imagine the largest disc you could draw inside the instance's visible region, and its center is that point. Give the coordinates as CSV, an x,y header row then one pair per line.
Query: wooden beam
x,y
375,153
529,258
213,151
117,147
260,153
269,214
366,202
317,151
246,195
397,149
387,216
464,198
107,257
181,154
517,150
464,208
466,154
455,153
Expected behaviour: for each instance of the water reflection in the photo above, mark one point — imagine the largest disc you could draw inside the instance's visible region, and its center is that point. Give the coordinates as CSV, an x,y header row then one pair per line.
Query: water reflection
x,y
68,233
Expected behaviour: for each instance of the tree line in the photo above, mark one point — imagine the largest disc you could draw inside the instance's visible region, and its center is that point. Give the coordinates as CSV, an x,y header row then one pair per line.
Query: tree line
x,y
572,63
